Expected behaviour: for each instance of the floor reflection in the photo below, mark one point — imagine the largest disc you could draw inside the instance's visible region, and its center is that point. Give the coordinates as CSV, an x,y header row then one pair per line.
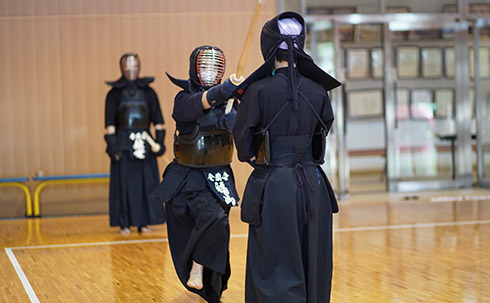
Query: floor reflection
x,y
413,250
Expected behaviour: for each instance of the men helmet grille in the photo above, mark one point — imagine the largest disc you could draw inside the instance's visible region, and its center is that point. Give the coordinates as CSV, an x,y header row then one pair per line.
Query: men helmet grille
x,y
210,66
130,66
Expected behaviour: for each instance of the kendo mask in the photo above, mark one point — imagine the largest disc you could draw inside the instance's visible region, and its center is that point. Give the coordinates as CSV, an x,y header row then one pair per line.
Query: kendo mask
x,y
207,66
130,66
290,36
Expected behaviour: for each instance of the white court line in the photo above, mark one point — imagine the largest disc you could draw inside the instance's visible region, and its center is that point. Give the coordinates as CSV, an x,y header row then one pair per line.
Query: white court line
x,y
91,244
415,225
341,229
20,273
105,243
32,295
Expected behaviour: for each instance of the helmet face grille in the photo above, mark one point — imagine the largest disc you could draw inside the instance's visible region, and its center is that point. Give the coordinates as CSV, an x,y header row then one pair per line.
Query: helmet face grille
x,y
130,66
210,66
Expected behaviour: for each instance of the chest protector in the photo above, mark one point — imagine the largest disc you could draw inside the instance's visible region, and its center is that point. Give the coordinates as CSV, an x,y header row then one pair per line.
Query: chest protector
x,y
206,146
133,112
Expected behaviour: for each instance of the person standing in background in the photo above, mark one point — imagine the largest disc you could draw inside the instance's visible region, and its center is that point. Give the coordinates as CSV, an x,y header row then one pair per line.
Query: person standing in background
x,y
130,109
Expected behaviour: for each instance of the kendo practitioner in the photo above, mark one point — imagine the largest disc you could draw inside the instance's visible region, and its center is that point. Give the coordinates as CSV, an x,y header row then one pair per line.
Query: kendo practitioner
x,y
131,107
198,187
280,129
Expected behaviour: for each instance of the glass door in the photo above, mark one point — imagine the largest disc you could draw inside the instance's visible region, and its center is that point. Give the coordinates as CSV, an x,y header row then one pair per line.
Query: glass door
x,y
351,51
481,73
405,101
427,101
323,45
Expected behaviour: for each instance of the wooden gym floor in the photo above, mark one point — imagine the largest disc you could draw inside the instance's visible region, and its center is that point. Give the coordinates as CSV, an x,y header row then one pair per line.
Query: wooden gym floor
x,y
430,247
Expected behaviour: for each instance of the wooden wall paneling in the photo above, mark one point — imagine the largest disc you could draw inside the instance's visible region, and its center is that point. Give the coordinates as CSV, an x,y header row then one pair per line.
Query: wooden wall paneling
x,y
89,129
17,130
37,145
158,55
7,102
46,81
173,58
109,53
86,47
155,6
60,53
192,6
105,42
89,7
48,132
83,43
75,69
12,202
75,199
33,128
33,95
28,7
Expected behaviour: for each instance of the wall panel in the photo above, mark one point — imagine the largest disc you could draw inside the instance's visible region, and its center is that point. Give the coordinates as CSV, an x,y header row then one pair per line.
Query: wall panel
x,y
7,104
45,52
35,97
58,54
86,46
28,7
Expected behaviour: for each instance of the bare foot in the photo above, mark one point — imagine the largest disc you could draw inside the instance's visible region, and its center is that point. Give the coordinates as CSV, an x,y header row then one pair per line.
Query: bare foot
x,y
124,231
195,277
144,230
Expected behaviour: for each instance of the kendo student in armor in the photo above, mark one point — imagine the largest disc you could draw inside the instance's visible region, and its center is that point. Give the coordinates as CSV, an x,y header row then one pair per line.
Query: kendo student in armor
x,y
131,107
198,187
280,129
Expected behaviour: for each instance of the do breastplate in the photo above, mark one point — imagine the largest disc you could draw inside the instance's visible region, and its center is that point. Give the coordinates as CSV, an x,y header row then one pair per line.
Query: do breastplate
x,y
206,146
133,112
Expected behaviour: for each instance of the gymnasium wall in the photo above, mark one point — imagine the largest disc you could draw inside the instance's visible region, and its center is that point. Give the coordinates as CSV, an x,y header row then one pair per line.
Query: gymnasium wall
x,y
54,59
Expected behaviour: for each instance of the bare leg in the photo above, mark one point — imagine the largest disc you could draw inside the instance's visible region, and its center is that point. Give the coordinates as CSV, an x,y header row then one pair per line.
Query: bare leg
x,y
195,277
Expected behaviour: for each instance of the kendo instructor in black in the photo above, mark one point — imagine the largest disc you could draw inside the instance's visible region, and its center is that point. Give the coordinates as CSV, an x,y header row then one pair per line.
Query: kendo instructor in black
x,y
280,129
131,107
198,187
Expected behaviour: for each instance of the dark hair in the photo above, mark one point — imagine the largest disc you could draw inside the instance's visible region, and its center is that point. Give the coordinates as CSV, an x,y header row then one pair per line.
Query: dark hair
x,y
282,55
